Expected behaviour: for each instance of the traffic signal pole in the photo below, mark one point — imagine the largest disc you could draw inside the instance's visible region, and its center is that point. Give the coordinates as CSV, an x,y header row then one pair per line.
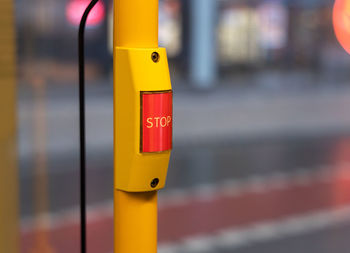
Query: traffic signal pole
x,y
142,124
203,62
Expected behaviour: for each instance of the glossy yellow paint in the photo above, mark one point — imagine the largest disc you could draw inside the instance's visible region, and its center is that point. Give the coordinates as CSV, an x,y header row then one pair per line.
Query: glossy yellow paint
x,y
135,202
135,72
9,225
136,23
136,222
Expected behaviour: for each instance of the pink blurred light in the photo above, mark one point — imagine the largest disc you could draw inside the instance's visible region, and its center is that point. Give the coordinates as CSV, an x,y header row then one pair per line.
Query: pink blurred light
x,y
75,10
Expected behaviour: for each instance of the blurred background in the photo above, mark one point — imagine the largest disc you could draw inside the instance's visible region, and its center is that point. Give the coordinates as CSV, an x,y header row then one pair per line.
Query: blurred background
x,y
261,136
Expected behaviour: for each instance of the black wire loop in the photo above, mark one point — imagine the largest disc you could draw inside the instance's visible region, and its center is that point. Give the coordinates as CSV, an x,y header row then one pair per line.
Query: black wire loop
x,y
81,50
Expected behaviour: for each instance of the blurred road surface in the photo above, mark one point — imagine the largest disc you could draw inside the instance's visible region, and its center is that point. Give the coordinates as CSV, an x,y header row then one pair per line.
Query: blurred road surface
x,y
221,115
252,171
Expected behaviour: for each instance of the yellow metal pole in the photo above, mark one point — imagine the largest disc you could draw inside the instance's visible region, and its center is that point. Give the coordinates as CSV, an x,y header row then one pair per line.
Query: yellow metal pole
x,y
135,222
136,23
8,151
136,26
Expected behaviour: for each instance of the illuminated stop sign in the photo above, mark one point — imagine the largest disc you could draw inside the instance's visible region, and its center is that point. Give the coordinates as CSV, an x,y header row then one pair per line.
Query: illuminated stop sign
x,y
341,22
156,121
75,10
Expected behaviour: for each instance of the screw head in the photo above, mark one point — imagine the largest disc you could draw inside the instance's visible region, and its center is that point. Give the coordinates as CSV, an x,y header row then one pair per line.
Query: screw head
x,y
155,57
155,182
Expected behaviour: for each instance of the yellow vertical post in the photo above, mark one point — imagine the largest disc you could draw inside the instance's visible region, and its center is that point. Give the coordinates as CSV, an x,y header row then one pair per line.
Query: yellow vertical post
x,y
135,26
8,166
136,23
135,222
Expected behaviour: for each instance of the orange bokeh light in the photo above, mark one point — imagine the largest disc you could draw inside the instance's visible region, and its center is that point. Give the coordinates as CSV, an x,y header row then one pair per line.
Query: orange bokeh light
x,y
341,22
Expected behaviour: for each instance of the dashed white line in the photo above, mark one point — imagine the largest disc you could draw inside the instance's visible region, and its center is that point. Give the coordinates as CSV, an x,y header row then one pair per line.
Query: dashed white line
x,y
179,197
239,237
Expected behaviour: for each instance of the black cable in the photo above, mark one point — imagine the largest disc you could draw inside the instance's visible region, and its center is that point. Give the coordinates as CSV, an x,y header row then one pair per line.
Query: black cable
x,y
81,50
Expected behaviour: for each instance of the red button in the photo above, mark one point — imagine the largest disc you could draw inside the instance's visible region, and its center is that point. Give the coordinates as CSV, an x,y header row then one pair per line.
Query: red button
x,y
157,121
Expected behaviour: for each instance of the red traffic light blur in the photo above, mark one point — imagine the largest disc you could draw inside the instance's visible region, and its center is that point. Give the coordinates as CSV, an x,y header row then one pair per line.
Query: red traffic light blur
x,y
75,10
341,23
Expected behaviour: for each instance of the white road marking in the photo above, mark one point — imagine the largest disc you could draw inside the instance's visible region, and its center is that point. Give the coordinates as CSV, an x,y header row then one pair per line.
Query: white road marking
x,y
266,231
179,197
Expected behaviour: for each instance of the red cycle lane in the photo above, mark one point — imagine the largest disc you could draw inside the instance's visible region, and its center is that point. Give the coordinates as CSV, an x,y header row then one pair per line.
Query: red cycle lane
x,y
196,215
